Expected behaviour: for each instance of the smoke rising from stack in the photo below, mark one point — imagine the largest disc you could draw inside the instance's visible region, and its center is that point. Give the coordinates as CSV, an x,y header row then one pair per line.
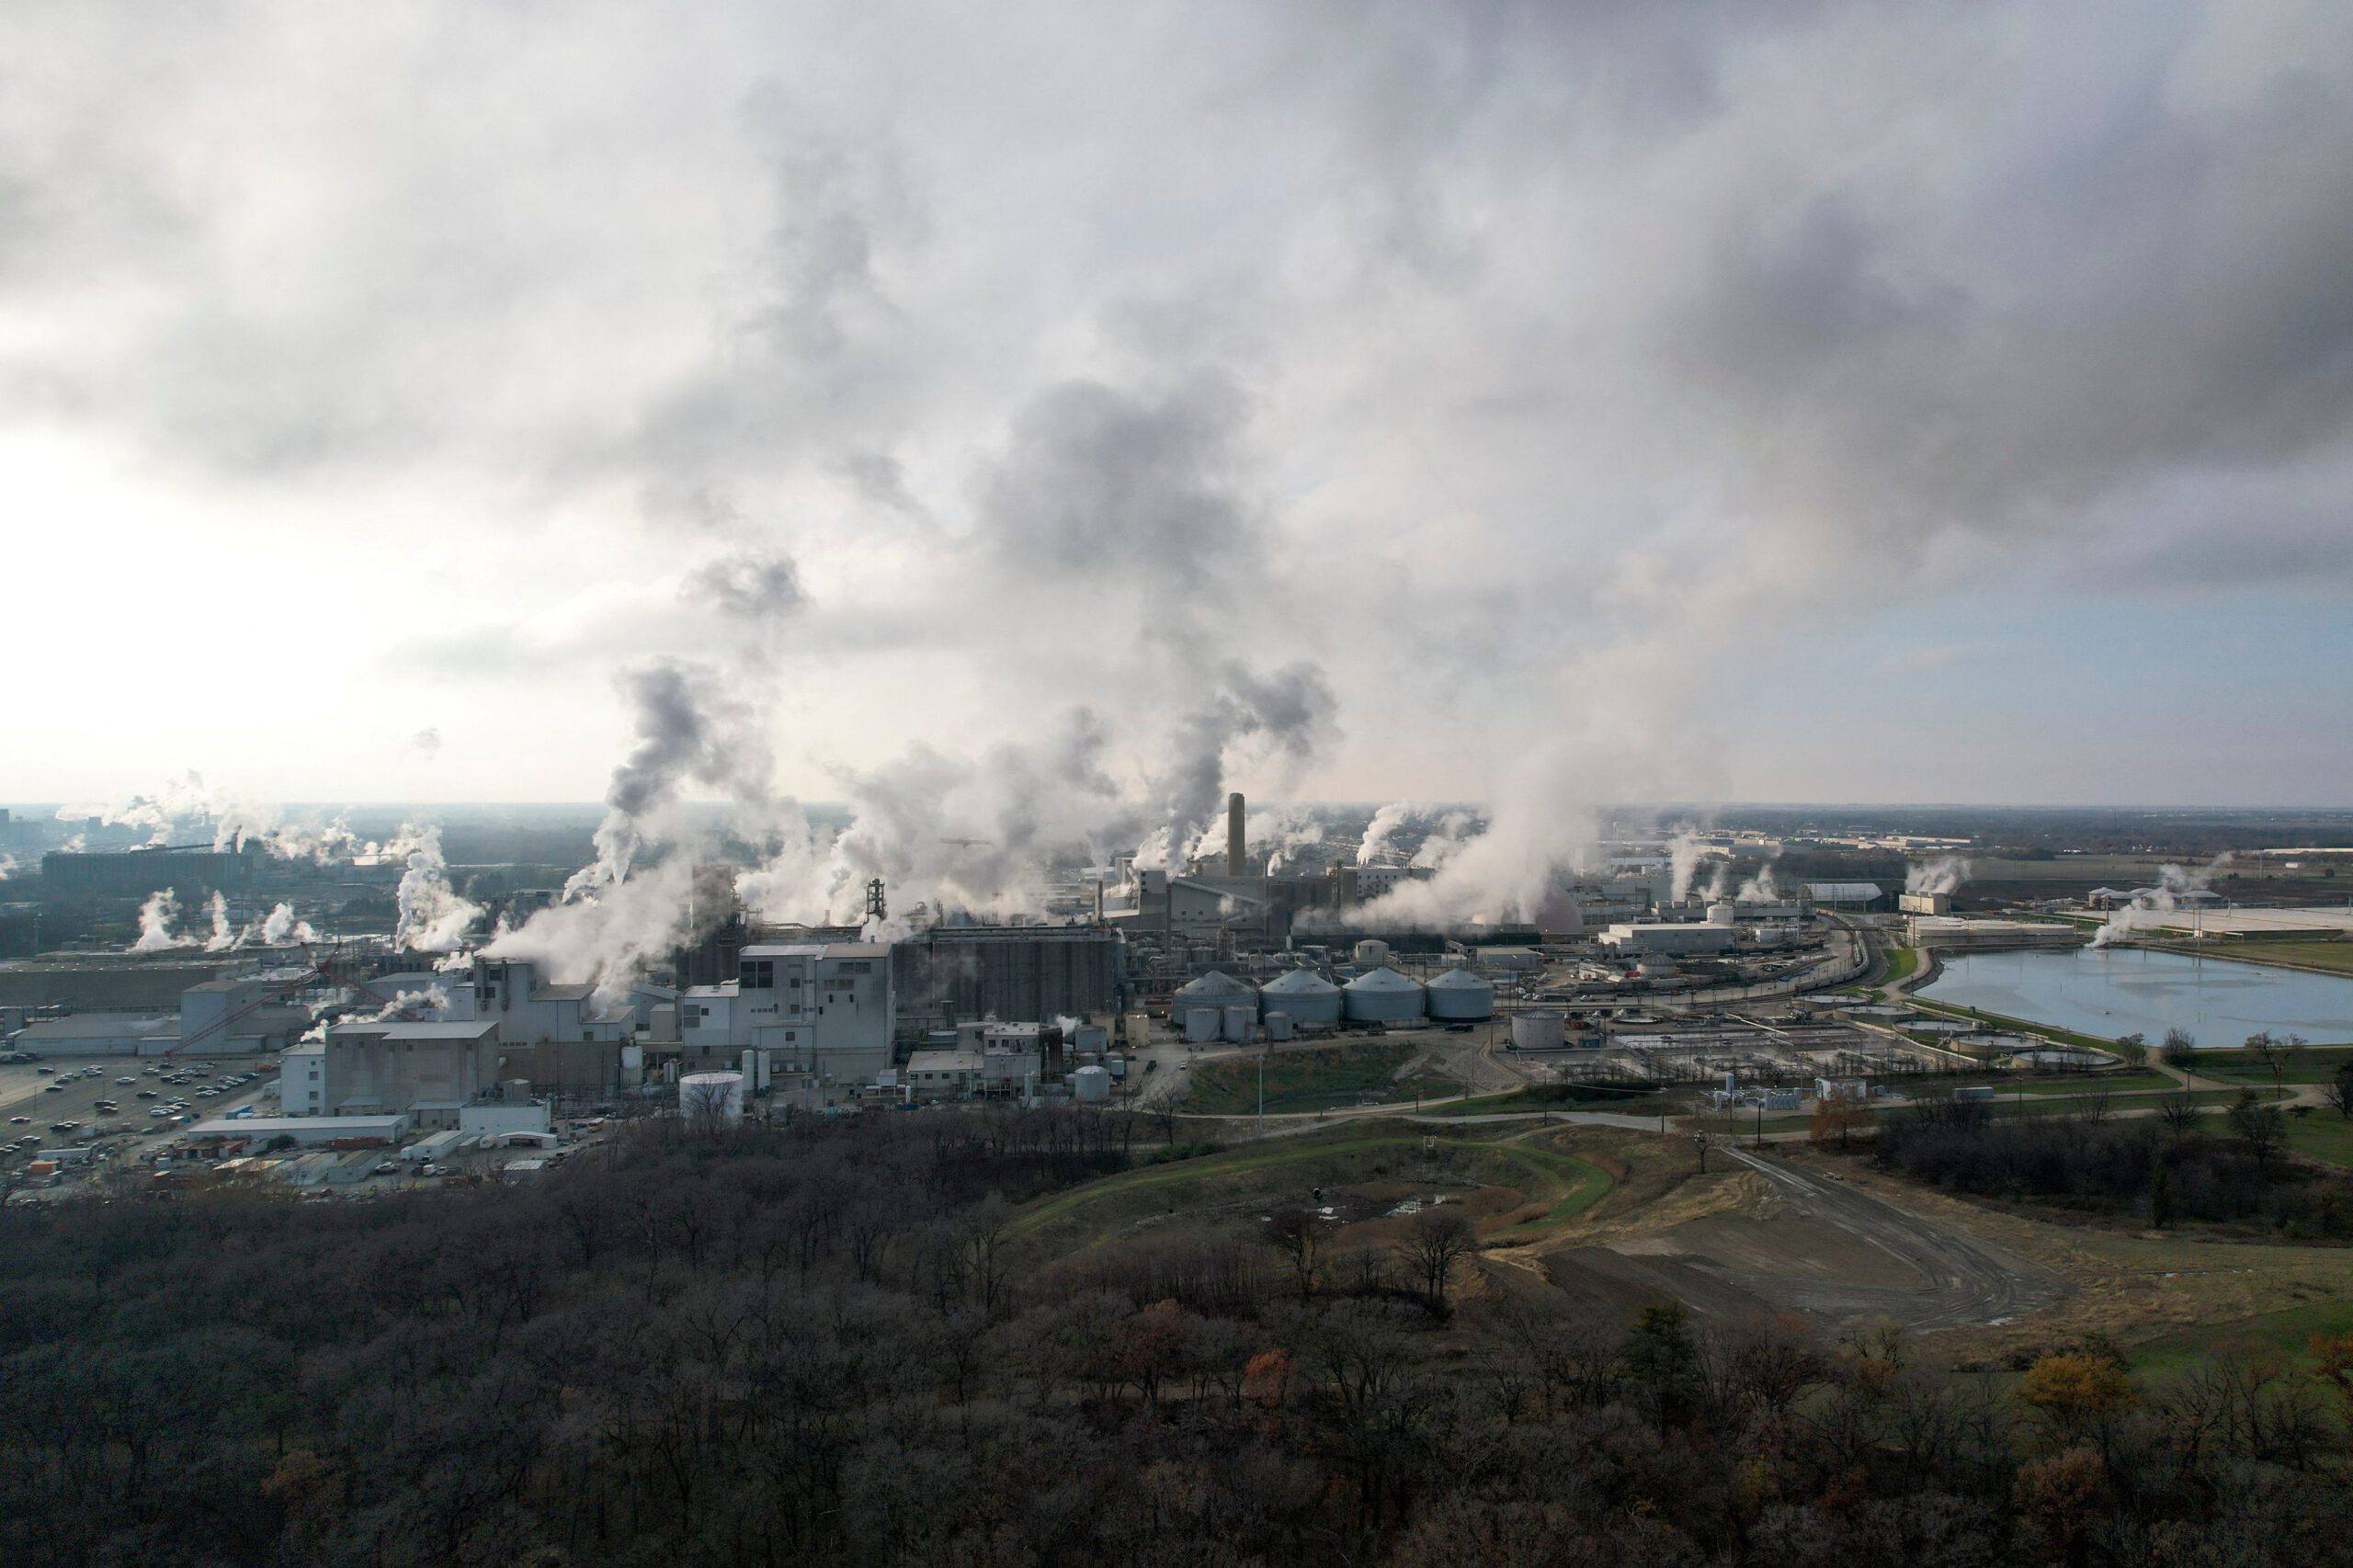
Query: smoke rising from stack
x,y
1944,874
155,917
433,917
2174,885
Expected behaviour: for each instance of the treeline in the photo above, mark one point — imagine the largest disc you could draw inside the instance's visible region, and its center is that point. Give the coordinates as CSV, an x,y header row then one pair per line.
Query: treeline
x,y
2162,1168
833,1345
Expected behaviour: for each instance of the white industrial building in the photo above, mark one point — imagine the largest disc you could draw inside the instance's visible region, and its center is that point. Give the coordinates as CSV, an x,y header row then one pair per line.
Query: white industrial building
x,y
304,1130
244,1014
99,1034
1676,938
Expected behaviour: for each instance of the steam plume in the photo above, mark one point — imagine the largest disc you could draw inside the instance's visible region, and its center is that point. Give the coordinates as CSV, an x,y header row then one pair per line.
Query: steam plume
x,y
155,917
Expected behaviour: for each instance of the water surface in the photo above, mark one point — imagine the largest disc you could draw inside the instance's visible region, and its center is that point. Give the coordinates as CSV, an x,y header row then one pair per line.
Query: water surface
x,y
2117,990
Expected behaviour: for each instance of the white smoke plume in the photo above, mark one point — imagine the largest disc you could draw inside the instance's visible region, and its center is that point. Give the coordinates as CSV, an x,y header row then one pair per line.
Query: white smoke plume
x,y
2173,885
1378,831
431,1001
1454,830
1684,852
8,864
186,810
155,917
612,936
434,917
225,936
1282,717
280,928
1759,889
1943,875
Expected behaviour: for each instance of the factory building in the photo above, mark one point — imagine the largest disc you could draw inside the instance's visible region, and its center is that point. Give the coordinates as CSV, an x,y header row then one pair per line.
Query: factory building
x,y
99,1034
1844,895
953,972
555,1036
134,873
1656,938
820,1016
1924,903
416,1070
244,1015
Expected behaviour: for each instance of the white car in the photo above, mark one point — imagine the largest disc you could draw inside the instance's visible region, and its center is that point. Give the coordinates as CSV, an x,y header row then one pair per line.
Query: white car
x,y
126,1082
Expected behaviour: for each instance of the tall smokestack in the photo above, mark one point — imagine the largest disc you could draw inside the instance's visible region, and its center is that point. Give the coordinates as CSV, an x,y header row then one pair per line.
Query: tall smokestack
x,y
1234,838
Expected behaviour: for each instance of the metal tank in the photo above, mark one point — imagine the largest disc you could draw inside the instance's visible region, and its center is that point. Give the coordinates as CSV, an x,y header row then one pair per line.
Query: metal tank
x,y
1384,996
1538,1031
1372,953
1278,1026
1459,995
1215,989
1306,996
1239,1021
1090,1086
1200,1025
1722,913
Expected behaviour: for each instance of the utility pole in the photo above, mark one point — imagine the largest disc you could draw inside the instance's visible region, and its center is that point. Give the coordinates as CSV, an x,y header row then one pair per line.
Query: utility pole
x,y
1262,1088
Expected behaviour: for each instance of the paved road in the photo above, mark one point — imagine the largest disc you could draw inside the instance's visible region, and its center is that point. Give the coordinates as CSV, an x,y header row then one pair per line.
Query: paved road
x,y
1966,1284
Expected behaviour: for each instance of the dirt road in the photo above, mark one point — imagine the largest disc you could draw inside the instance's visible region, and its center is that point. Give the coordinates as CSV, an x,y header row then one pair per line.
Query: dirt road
x,y
1960,1284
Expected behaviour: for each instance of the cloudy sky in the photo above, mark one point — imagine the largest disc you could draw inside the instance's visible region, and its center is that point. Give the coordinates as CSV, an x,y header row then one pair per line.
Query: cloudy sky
x,y
1551,400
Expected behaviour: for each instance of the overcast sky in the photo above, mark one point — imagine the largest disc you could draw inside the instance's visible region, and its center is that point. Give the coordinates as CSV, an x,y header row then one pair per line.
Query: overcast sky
x,y
1658,400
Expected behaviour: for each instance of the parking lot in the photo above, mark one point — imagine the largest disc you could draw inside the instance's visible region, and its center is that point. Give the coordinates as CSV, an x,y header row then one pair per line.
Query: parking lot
x,y
56,1103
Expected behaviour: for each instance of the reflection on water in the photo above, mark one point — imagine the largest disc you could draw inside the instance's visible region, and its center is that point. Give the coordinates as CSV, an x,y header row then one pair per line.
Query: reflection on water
x,y
2120,990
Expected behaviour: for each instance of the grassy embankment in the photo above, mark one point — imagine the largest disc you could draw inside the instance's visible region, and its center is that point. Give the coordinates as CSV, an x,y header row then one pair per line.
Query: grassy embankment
x,y
1239,1182
1302,1081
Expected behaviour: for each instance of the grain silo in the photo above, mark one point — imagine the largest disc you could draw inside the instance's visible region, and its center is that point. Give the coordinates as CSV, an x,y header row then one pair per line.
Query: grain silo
x,y
1306,995
1383,996
1458,995
1215,989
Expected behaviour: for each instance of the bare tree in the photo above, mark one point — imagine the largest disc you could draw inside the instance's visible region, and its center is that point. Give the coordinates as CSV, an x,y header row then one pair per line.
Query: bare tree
x,y
1440,1240
2180,1112
1297,1234
2339,1090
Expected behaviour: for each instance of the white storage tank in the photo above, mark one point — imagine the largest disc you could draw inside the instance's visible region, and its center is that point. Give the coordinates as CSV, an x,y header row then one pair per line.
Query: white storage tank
x,y
1200,1025
1278,1025
1538,1031
1722,913
1372,953
1090,1086
1239,1021
712,1094
1305,996
1383,996
1458,995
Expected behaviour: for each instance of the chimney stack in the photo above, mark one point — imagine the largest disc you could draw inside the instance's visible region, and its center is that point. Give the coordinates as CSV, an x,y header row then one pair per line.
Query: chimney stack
x,y
1236,842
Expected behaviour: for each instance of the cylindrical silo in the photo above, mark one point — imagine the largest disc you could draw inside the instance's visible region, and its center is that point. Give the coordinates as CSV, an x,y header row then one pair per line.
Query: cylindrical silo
x,y
1372,953
1538,1030
1239,1020
711,1095
1306,995
1214,989
1200,1025
1458,995
1723,913
1278,1026
1383,996
1090,1086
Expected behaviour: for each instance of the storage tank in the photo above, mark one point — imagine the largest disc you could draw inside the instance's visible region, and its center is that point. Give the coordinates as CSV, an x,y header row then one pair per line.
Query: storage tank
x,y
1305,996
1215,989
1722,913
1383,996
1200,1025
1372,953
714,1095
1090,1086
1538,1031
1238,1022
1278,1026
1458,995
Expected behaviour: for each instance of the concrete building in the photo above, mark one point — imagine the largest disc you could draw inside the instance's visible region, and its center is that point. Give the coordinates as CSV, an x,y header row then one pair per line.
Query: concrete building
x,y
1924,903
99,1034
303,1079
386,1068
555,1036
1671,938
244,1014
819,1016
